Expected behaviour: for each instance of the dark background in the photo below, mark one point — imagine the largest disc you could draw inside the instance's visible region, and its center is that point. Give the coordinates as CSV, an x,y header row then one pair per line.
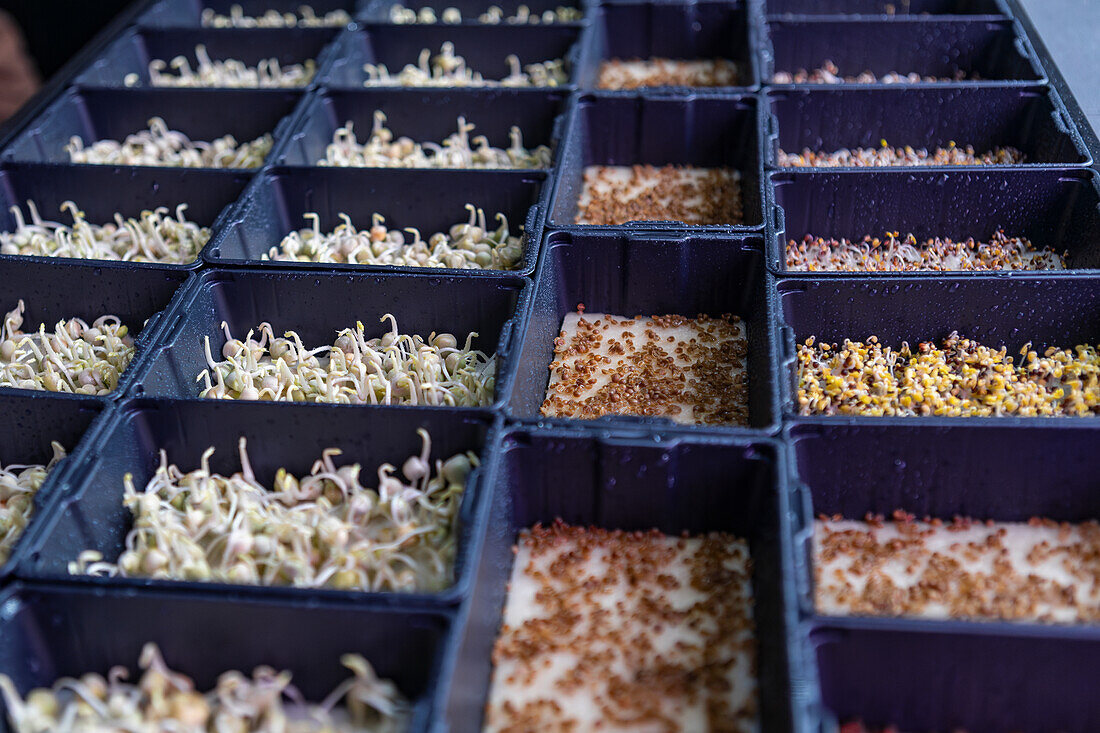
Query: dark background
x,y
57,29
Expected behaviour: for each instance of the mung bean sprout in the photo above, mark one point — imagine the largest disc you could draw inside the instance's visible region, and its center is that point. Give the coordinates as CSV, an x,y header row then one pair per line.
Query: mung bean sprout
x,y
402,15
160,146
267,73
18,485
446,69
306,17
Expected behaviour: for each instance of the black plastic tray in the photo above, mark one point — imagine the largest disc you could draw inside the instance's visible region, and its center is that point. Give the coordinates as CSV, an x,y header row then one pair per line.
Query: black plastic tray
x,y
1030,119
29,422
992,309
316,306
902,9
423,115
694,30
981,675
485,48
133,51
102,191
1059,209
188,13
643,274
994,49
58,289
201,114
89,513
431,201
701,130
49,632
676,485
378,11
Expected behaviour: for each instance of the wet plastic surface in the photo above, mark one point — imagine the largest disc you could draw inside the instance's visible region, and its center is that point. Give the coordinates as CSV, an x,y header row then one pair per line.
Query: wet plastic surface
x,y
188,13
900,8
697,30
132,53
431,201
703,131
318,306
829,119
485,48
675,485
49,632
1059,209
201,114
103,191
424,116
993,50
91,515
59,289
638,274
379,10
993,310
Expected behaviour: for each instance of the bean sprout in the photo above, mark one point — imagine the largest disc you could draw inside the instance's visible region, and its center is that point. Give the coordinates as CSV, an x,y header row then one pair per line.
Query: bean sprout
x,y
467,245
164,700
305,18
229,73
400,15
449,70
392,369
160,146
18,485
325,530
75,357
382,151
154,237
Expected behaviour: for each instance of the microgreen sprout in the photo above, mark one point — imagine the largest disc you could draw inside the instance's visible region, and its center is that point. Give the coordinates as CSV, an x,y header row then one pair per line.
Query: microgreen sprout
x,y
391,369
324,530
165,700
18,485
400,15
155,236
306,17
466,245
381,150
160,146
229,73
74,357
446,69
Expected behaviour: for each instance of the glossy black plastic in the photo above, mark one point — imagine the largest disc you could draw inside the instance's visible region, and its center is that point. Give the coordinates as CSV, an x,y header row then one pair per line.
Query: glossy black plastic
x,y
48,632
676,485
379,10
188,13
993,50
1059,209
1027,118
639,274
431,201
316,306
704,131
485,48
54,290
696,30
424,116
29,422
993,310
900,9
132,52
201,114
91,516
103,191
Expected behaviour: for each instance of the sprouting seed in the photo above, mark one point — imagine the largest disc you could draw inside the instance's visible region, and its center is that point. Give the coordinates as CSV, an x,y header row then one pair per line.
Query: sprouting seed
x,y
466,245
306,17
166,700
446,69
400,14
267,73
155,236
160,146
18,485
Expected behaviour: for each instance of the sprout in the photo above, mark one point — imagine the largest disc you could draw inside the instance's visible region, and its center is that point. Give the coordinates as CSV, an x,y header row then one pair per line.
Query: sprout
x,y
305,18
160,146
164,700
466,245
394,368
323,530
74,357
449,70
229,73
153,237
382,150
493,16
18,485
